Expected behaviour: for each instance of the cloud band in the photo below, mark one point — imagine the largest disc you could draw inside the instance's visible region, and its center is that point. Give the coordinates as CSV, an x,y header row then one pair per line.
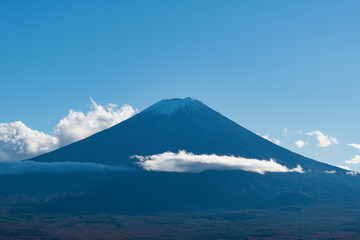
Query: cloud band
x,y
189,162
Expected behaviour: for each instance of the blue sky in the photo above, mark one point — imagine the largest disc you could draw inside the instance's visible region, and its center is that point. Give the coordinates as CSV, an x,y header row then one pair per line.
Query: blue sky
x,y
268,65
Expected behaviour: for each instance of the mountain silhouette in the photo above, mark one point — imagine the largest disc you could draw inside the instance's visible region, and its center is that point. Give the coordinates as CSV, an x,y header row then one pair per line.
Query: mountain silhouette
x,y
174,125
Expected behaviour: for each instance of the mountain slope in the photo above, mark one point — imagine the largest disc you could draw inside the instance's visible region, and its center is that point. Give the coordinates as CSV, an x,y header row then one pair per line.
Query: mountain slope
x,y
173,125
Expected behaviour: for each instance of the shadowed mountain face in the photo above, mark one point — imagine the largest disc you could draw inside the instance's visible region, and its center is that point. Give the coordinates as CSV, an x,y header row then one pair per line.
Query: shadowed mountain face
x,y
173,125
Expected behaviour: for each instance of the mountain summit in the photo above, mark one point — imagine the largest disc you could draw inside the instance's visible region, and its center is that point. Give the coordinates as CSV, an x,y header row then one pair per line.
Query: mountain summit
x,y
168,106
174,125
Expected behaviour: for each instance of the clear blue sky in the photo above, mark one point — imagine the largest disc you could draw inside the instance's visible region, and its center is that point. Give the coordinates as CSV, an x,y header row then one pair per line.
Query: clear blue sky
x,y
267,65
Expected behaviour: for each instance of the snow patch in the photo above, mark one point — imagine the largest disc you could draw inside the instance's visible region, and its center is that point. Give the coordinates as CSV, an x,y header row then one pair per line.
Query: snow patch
x,y
168,106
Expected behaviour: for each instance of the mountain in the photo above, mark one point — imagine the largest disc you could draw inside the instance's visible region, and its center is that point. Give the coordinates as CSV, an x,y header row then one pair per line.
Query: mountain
x,y
173,125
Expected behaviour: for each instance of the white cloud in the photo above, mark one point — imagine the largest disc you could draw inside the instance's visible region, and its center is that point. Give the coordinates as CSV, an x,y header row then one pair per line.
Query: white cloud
x,y
301,143
287,132
274,140
330,172
188,162
355,160
357,146
333,140
10,168
297,132
17,141
344,167
77,125
324,140
352,173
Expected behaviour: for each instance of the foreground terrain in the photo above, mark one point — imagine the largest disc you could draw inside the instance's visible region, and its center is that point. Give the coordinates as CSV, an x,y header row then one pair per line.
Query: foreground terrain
x,y
208,205
244,224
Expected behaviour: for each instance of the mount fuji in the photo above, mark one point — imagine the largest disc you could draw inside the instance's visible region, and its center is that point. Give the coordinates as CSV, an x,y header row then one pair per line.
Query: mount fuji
x,y
180,154
173,125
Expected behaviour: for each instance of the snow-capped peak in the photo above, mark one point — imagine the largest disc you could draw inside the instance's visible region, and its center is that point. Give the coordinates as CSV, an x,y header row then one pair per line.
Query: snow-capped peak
x,y
168,106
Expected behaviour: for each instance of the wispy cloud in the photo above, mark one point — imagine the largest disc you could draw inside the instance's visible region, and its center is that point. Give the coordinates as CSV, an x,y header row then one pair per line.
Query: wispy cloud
x,y
189,162
20,167
274,140
287,132
324,140
17,141
330,171
354,160
352,173
354,145
301,143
